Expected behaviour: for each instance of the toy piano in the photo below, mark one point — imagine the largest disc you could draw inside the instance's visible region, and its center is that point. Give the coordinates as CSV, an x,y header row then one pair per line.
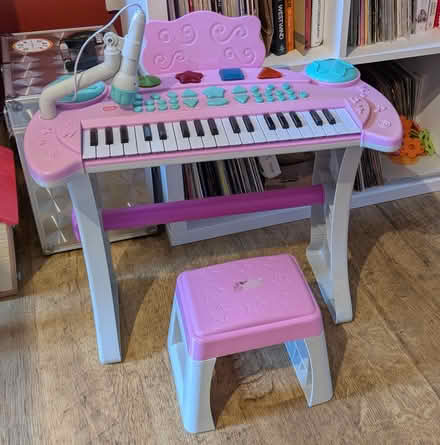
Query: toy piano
x,y
214,101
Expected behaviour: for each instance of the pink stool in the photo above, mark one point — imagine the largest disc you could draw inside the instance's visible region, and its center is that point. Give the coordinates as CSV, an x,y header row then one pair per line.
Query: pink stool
x,y
239,306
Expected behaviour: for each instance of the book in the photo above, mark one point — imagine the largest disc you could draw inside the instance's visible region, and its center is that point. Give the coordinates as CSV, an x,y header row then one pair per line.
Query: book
x,y
299,11
421,17
437,16
317,31
278,46
431,17
8,273
308,24
266,19
290,25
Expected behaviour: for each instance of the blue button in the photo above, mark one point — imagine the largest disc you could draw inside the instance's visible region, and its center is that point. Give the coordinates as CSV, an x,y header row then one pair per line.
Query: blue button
x,y
259,99
228,74
303,94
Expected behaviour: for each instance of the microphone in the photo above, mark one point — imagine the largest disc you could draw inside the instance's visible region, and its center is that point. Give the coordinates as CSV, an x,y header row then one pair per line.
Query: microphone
x,y
125,83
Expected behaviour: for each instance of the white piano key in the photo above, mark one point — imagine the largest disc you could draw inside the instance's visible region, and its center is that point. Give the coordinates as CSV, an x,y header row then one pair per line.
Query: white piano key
x,y
258,133
305,130
221,139
245,136
294,132
271,135
282,133
329,129
347,120
130,148
102,150
156,143
182,143
116,149
142,144
339,126
194,140
89,151
170,143
316,129
208,140
233,138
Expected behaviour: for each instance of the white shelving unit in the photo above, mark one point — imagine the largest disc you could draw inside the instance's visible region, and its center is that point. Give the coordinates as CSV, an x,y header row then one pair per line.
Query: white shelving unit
x,y
335,45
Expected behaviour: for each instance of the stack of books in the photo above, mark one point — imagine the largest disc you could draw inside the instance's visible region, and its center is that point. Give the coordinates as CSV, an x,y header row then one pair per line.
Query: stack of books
x,y
286,24
373,21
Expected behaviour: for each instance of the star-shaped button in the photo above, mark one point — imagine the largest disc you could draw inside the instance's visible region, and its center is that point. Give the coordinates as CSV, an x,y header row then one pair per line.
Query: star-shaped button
x,y
189,77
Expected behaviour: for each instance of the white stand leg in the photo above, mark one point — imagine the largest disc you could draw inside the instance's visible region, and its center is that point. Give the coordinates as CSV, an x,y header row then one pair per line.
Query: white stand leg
x,y
192,379
96,249
327,252
310,359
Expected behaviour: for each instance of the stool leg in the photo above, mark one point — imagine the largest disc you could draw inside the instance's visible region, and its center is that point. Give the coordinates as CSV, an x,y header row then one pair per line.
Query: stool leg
x,y
192,379
310,359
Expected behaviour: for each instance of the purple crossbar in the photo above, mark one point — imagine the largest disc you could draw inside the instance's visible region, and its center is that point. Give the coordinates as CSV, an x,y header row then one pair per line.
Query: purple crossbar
x,y
168,212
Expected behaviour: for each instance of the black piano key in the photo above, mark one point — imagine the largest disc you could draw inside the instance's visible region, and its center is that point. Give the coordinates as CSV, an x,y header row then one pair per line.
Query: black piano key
x,y
316,118
93,137
270,123
124,134
213,127
147,132
199,128
108,136
329,116
162,131
234,124
184,128
283,121
296,119
248,124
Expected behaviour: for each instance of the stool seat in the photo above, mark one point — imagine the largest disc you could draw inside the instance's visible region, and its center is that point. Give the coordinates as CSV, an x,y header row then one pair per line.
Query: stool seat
x,y
246,304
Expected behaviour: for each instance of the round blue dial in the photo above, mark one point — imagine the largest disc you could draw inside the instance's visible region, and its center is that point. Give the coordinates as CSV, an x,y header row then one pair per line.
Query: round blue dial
x,y
331,71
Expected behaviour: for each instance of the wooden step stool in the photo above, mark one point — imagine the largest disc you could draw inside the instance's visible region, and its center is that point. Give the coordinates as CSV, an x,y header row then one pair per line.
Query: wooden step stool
x,y
239,306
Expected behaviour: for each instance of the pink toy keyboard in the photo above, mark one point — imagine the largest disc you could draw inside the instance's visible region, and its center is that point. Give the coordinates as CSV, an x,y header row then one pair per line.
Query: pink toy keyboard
x,y
218,118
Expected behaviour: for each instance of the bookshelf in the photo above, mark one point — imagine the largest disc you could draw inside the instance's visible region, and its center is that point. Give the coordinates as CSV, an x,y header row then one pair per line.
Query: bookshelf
x,y
424,47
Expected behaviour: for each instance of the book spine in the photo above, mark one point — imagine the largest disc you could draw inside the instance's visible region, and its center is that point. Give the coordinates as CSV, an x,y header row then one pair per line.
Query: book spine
x,y
437,15
279,35
421,15
308,23
432,13
290,25
317,23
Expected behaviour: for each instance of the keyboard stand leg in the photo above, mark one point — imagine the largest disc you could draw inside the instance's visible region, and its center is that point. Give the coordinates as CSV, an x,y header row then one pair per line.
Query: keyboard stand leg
x,y
96,250
327,252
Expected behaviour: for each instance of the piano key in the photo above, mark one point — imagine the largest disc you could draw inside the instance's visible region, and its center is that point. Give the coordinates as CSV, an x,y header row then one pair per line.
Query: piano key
x,y
233,138
283,121
143,145
330,119
182,142
194,140
208,139
234,124
258,133
93,137
108,135
213,127
102,150
329,130
316,118
116,149
340,128
89,151
245,136
271,136
247,122
184,128
162,132
170,143
296,120
294,132
156,143
124,134
348,121
130,148
221,139
316,130
269,122
147,132
304,129
199,128
283,135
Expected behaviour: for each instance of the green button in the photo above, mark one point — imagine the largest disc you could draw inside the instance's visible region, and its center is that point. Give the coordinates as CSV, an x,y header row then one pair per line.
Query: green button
x,y
139,97
138,109
259,99
303,94
171,94
163,107
149,102
254,89
151,108
155,96
175,106
270,98
174,100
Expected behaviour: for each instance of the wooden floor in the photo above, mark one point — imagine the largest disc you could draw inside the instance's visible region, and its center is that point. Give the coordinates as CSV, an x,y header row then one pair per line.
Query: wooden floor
x,y
385,364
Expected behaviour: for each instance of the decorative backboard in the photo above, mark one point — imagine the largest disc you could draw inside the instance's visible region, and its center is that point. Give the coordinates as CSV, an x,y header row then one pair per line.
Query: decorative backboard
x,y
201,41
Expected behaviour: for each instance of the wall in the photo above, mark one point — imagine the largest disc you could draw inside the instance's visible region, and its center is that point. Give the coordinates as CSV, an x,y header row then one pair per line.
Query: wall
x,y
35,15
